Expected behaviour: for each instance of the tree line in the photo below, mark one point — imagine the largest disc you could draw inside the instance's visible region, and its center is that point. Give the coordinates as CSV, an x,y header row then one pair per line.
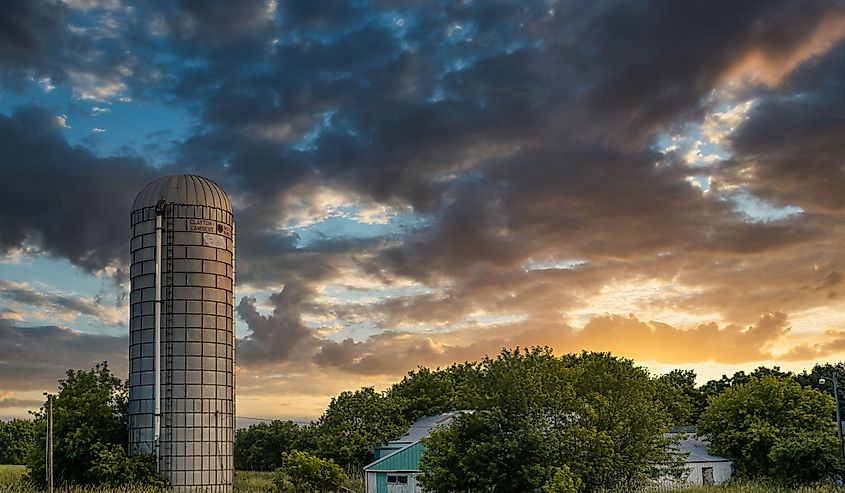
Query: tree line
x,y
533,421
589,420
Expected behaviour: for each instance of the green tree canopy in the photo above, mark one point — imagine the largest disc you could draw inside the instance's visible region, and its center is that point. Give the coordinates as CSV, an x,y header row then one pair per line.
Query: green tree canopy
x,y
680,396
597,414
260,447
772,427
425,392
354,424
16,438
90,433
811,378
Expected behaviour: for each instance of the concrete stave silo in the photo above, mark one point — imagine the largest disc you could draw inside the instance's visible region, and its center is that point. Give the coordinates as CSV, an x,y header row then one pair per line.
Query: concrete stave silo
x,y
181,393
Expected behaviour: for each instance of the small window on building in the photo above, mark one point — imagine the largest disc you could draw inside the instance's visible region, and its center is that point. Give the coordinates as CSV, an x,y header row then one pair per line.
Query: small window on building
x,y
402,479
391,479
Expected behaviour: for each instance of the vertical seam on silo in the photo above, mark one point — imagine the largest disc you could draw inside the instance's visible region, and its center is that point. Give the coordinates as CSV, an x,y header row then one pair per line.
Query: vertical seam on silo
x,y
183,189
197,187
208,194
189,181
208,198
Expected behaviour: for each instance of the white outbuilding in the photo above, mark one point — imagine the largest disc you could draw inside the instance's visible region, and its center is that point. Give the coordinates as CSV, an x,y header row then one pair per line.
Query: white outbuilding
x,y
701,467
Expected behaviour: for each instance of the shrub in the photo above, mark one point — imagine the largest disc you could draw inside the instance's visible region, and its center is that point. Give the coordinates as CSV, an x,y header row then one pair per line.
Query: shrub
x,y
302,472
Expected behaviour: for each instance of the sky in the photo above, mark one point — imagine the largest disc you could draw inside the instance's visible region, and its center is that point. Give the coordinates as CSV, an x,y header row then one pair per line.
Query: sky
x,y
427,182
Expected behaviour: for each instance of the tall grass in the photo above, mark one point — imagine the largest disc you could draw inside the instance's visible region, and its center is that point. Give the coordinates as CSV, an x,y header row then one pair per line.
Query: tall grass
x,y
11,481
262,482
253,481
745,486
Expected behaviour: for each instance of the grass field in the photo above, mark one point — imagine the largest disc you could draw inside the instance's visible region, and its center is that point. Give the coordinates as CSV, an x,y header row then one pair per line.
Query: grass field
x,y
10,475
261,482
245,482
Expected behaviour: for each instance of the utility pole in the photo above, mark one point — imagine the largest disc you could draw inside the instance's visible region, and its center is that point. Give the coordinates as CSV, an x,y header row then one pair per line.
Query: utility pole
x,y
50,443
838,415
835,379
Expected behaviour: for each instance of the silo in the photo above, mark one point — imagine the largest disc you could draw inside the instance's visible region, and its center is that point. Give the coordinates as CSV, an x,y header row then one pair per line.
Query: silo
x,y
181,344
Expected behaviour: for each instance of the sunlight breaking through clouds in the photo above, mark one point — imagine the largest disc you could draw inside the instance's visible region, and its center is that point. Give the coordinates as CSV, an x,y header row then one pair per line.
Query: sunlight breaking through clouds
x,y
420,185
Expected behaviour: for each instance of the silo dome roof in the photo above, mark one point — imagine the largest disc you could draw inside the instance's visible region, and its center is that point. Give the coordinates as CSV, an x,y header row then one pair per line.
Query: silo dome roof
x,y
182,189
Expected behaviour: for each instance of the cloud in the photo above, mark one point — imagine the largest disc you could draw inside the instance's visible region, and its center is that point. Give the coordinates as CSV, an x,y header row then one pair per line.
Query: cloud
x,y
64,307
28,32
515,133
393,353
64,200
33,358
276,338
786,151
8,400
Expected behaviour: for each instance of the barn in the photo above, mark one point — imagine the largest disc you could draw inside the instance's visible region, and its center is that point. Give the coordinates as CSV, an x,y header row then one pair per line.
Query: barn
x,y
397,463
702,468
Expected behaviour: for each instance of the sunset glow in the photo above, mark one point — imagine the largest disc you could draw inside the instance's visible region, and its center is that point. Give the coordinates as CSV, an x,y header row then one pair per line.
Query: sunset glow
x,y
421,183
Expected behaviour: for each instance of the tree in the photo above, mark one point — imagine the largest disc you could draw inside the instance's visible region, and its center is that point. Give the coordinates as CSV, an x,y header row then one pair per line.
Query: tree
x,y
354,424
716,387
623,424
261,446
562,481
534,412
680,396
772,427
811,379
426,392
90,432
16,438
302,472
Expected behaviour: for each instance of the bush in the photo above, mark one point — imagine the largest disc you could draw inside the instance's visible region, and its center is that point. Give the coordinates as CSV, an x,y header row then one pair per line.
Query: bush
x,y
113,467
302,472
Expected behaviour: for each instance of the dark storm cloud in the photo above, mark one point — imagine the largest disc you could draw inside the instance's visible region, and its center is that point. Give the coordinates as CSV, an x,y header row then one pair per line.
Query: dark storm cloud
x,y
523,130
442,108
28,32
98,58
790,149
234,31
424,100
62,199
656,61
33,358
278,337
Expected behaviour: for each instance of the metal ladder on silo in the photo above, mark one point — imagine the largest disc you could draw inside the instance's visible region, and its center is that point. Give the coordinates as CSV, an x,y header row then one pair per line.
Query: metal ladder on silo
x,y
168,336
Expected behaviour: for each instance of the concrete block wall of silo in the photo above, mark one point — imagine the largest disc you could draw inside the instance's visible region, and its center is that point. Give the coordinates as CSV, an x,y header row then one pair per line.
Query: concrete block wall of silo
x,y
196,442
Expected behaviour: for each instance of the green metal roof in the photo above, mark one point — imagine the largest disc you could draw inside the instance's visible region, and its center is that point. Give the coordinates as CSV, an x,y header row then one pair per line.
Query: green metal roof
x,y
405,459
